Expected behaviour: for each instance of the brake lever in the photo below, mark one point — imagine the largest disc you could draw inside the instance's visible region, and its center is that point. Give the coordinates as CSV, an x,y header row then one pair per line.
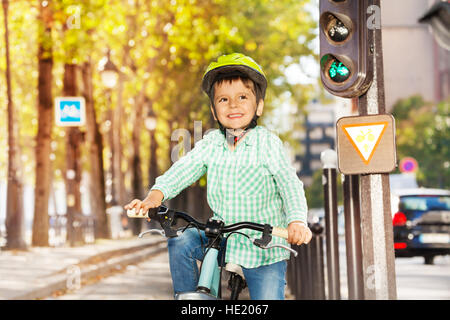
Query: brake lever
x,y
159,231
270,246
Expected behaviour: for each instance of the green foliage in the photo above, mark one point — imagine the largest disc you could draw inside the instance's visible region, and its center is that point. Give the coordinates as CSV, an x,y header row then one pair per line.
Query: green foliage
x,y
162,48
423,133
315,193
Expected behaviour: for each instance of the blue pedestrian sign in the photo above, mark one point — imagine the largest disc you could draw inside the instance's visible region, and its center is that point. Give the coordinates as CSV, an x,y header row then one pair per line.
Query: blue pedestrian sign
x,y
70,111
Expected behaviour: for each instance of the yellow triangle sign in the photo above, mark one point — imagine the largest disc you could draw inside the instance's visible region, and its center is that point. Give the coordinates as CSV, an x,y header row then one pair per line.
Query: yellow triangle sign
x,y
365,137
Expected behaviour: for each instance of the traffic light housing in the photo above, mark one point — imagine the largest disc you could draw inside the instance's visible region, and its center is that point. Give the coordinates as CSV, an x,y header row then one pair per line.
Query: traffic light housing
x,y
346,69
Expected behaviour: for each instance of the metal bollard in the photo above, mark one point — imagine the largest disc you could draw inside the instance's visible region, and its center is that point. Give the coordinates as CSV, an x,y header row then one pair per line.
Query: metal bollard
x,y
290,275
309,272
302,273
355,278
317,264
329,161
305,274
298,275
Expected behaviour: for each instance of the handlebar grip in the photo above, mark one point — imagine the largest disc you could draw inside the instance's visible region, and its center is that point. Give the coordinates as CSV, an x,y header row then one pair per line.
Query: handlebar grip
x,y
280,232
132,214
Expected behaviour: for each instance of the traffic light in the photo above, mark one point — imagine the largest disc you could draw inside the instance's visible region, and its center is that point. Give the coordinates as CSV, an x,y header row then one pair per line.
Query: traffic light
x,y
346,70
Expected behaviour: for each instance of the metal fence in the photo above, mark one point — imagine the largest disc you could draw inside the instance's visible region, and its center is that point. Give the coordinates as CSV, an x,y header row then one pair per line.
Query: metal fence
x,y
305,273
83,226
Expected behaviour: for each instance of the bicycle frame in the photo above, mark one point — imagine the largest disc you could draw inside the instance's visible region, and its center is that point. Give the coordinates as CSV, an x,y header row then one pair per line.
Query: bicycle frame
x,y
209,281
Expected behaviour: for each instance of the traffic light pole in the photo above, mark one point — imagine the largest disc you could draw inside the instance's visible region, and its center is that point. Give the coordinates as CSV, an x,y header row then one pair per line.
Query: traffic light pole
x,y
376,224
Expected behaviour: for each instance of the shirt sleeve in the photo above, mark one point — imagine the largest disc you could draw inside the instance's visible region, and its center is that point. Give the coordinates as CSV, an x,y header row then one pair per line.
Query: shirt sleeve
x,y
289,185
184,172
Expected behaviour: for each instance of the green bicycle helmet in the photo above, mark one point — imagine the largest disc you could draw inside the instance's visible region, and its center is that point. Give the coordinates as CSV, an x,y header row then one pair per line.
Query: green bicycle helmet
x,y
234,63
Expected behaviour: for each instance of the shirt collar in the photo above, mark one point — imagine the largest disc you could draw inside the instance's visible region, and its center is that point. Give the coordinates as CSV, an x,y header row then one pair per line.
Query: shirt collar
x,y
248,139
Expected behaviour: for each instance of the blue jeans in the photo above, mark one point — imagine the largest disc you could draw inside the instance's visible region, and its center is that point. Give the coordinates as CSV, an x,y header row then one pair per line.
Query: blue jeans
x,y
264,283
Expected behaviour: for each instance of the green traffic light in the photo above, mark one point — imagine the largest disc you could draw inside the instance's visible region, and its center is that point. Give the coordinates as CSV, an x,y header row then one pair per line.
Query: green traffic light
x,y
334,69
338,71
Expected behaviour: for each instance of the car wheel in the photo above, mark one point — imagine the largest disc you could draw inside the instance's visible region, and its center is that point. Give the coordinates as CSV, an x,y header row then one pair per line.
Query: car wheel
x,y
429,259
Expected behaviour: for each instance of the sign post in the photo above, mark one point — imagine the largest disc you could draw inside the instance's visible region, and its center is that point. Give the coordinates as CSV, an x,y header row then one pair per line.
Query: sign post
x,y
70,113
376,222
329,173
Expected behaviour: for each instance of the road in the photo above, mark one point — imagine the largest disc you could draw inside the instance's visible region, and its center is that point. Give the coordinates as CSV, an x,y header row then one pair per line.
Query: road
x,y
415,280
150,280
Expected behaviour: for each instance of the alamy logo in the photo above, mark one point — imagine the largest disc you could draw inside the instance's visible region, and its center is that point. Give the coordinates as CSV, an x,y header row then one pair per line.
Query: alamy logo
x,y
183,136
374,21
73,281
74,20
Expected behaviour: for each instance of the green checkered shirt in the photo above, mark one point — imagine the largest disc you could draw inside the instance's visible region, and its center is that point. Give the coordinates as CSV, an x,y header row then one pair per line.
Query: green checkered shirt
x,y
255,182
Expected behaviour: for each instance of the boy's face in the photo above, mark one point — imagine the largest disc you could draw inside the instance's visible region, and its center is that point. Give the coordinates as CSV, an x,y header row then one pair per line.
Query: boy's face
x,y
235,104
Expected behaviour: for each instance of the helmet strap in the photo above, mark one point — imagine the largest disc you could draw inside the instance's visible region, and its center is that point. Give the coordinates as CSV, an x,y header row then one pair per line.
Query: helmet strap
x,y
234,135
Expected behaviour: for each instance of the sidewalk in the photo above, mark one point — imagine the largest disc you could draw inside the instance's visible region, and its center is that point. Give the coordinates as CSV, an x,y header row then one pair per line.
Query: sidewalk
x,y
40,271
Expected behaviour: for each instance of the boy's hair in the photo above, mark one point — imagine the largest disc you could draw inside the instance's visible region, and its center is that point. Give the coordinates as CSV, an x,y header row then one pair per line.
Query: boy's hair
x,y
230,77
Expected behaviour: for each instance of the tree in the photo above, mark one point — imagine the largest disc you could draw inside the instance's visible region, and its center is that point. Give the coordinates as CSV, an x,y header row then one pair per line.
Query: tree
x,y
162,49
76,44
423,133
14,207
74,139
95,147
315,194
45,125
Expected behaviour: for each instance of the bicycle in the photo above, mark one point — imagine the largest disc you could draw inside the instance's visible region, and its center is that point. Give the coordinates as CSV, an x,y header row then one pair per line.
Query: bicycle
x,y
209,284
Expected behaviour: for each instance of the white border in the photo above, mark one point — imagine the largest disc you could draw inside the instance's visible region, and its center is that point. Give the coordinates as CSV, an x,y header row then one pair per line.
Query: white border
x,y
80,123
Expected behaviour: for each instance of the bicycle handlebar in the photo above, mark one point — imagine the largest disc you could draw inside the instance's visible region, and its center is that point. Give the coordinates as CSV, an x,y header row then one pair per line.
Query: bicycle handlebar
x,y
162,210
168,217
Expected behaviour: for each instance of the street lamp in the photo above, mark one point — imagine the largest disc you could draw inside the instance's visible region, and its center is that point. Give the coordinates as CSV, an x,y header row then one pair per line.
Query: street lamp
x,y
150,124
150,120
108,71
109,74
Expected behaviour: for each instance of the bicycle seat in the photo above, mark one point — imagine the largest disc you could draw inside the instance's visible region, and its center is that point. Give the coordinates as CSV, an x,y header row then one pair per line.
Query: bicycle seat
x,y
232,267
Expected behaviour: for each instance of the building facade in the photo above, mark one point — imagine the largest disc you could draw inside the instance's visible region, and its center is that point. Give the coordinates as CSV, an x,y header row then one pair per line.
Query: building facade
x,y
414,63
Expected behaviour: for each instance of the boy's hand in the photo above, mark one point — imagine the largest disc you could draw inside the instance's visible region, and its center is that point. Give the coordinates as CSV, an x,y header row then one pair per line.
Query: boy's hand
x,y
298,233
153,200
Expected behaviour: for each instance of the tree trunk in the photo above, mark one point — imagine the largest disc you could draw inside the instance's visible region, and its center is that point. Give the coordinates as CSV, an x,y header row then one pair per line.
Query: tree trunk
x,y
95,145
119,186
136,179
74,138
45,124
14,200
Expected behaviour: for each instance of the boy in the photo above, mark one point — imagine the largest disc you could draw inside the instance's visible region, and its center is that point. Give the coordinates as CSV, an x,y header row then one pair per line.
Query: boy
x,y
249,179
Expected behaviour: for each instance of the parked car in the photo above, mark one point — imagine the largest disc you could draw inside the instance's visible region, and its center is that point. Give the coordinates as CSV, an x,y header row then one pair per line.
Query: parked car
x,y
421,221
